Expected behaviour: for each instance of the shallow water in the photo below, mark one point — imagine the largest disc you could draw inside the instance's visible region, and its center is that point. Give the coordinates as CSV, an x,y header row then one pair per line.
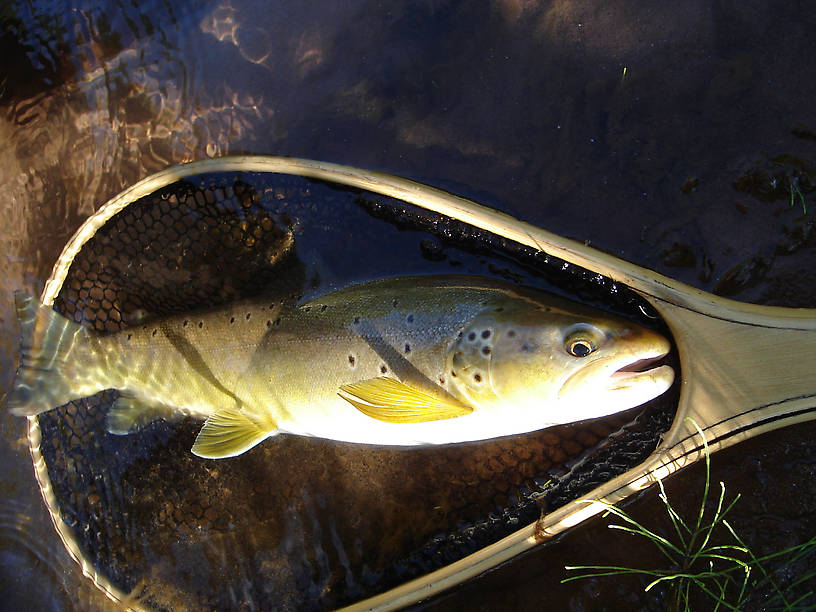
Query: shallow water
x,y
679,138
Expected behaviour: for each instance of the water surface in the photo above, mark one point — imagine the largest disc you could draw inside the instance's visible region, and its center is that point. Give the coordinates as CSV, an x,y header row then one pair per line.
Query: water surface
x,y
682,138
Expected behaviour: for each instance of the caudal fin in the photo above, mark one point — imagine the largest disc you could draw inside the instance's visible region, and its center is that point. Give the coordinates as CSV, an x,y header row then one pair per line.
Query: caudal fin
x,y
49,343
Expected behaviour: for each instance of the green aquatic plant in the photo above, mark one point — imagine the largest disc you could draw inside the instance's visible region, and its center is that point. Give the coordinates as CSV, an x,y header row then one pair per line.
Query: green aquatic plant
x,y
796,193
727,574
783,177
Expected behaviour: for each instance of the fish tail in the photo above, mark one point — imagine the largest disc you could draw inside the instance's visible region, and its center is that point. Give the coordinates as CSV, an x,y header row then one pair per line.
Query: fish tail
x,y
49,343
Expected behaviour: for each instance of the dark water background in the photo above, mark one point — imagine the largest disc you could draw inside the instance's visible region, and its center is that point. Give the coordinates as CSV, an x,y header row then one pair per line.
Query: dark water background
x,y
680,136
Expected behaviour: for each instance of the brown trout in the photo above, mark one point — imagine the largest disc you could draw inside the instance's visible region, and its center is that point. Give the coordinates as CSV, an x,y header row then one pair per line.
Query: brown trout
x,y
404,361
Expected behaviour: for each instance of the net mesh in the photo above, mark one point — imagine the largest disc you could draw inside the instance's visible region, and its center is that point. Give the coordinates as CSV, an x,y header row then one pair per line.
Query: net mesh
x,y
300,523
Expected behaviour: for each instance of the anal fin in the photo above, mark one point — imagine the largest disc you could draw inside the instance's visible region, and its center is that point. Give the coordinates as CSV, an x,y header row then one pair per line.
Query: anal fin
x,y
130,413
392,401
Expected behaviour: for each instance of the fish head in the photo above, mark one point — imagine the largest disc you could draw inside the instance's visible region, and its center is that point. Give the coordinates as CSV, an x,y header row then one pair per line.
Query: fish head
x,y
548,364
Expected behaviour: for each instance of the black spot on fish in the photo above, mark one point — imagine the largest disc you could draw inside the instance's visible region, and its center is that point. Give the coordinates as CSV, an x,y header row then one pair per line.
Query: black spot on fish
x,y
485,350
472,336
486,334
511,333
232,320
129,336
155,331
453,373
352,360
277,321
200,324
477,378
395,301
307,308
356,320
410,318
323,308
529,347
407,348
441,380
268,323
249,314
383,369
186,323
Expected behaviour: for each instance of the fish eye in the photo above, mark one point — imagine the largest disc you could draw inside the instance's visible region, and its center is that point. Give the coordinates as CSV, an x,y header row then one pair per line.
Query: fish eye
x,y
582,339
579,347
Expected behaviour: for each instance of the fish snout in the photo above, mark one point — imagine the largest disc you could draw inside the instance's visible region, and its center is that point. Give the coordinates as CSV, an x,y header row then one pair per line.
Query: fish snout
x,y
625,380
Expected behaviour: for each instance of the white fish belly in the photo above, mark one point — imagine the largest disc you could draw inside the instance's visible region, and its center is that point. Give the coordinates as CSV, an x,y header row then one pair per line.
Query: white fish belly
x,y
336,419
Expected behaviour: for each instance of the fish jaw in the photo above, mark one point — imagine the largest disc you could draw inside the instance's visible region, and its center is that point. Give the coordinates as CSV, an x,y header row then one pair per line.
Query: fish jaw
x,y
631,389
617,383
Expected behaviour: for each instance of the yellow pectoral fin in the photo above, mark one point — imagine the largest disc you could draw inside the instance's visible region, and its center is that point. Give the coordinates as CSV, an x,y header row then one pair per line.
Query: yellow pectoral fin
x,y
389,400
230,432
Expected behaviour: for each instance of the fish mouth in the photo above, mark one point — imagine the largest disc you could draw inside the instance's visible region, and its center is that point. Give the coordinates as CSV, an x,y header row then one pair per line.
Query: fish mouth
x,y
639,371
624,380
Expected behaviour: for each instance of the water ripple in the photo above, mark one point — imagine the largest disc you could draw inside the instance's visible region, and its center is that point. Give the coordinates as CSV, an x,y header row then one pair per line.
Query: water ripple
x,y
33,569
